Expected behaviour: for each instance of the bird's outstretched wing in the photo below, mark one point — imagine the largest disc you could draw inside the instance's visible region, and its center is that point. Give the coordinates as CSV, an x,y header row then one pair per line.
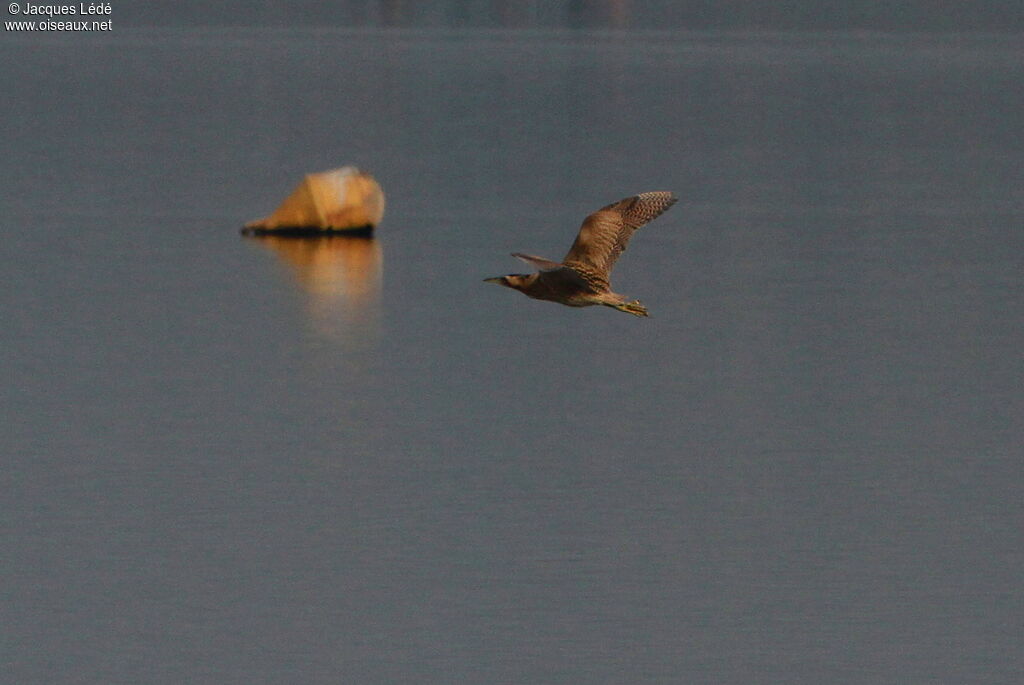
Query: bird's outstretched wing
x,y
537,262
604,234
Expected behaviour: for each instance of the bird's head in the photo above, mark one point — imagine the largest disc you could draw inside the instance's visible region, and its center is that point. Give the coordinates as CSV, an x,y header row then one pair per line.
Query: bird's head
x,y
514,281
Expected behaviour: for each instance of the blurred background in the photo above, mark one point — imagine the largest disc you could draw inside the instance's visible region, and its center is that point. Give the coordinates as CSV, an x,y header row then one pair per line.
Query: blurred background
x,y
804,15
242,460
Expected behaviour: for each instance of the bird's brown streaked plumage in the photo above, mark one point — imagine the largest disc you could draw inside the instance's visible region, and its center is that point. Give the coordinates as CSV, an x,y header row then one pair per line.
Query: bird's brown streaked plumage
x,y
583,277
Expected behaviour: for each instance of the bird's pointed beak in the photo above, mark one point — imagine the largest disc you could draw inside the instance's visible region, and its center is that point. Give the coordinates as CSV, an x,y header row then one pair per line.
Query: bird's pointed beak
x,y
498,279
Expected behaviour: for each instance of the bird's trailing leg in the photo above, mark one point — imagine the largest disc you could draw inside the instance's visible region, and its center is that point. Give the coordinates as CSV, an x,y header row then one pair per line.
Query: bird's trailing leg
x,y
634,308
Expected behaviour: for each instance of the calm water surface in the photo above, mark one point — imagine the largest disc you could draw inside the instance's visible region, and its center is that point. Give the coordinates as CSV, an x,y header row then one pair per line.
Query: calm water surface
x,y
229,460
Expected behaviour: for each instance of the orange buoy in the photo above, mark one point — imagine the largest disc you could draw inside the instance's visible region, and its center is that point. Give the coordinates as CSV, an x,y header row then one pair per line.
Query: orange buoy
x,y
344,200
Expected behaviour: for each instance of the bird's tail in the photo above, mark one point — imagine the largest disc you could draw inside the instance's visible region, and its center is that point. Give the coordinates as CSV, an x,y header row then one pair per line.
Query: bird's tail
x,y
634,308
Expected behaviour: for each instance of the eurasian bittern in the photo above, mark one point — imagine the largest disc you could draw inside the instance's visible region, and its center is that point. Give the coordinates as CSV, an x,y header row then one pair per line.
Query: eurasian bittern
x,y
581,280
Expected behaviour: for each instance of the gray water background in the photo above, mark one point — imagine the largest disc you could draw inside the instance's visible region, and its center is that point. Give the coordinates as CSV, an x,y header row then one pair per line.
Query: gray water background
x,y
238,461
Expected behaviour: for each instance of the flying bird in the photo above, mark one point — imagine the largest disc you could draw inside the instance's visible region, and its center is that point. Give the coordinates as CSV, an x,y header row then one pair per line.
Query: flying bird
x,y
582,277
